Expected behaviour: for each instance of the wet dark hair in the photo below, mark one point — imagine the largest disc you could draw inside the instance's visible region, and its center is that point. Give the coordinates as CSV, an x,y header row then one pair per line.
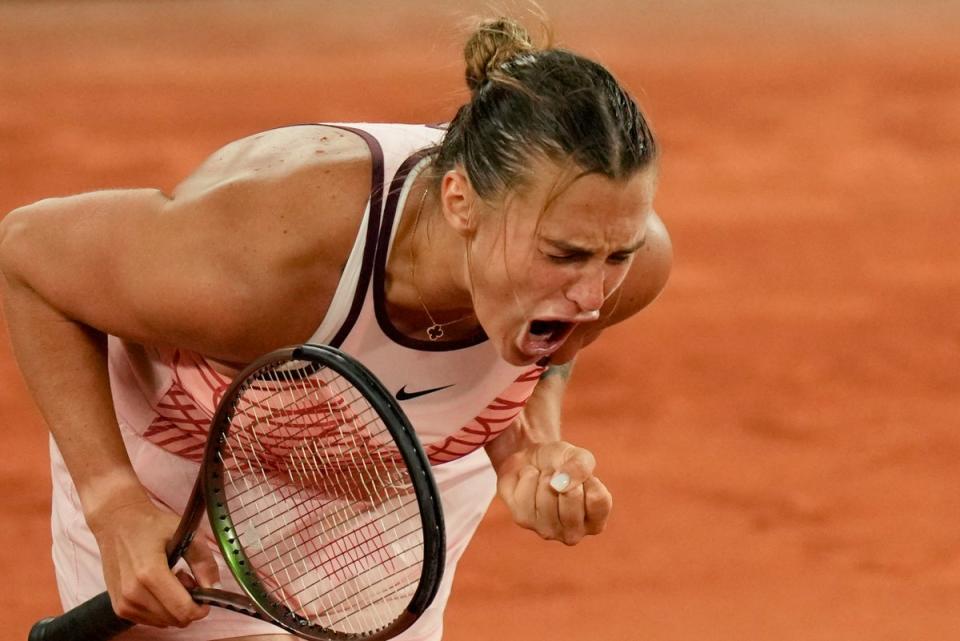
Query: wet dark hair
x,y
528,103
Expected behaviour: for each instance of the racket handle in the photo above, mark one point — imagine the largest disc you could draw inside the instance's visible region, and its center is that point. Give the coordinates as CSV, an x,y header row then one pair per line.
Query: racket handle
x,y
92,620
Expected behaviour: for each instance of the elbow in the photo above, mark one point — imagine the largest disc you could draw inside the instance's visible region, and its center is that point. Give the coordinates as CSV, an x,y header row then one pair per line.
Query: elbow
x,y
661,263
18,240
11,227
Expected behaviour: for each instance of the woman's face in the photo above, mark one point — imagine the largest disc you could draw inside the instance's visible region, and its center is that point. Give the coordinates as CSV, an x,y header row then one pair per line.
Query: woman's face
x,y
537,273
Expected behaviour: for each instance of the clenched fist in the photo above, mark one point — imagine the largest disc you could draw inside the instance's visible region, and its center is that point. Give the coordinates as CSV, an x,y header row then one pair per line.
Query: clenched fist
x,y
550,488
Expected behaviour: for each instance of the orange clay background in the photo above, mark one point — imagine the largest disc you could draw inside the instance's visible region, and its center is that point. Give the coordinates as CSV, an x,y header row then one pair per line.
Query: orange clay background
x,y
780,430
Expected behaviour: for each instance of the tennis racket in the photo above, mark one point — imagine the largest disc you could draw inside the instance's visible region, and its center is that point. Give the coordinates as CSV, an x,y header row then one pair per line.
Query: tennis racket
x,y
320,498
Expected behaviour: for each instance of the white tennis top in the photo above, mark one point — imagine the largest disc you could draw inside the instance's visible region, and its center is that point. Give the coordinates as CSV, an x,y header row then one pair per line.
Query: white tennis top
x,y
458,395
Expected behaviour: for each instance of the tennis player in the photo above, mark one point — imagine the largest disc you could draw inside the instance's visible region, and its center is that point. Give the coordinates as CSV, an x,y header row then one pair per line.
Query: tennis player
x,y
466,266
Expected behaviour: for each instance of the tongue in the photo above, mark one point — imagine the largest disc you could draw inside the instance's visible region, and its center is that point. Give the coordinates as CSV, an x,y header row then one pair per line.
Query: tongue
x,y
533,345
540,339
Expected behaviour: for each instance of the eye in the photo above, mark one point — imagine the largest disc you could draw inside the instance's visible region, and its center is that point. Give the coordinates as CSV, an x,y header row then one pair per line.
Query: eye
x,y
564,259
617,259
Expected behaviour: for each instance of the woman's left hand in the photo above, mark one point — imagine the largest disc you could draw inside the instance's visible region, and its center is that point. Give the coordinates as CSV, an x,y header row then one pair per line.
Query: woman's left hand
x,y
550,488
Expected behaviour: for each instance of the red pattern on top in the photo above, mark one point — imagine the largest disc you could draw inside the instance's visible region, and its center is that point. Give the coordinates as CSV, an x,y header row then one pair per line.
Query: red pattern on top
x,y
494,419
182,421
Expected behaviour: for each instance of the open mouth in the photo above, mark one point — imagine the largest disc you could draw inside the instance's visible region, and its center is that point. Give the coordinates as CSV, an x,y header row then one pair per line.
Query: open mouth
x,y
544,336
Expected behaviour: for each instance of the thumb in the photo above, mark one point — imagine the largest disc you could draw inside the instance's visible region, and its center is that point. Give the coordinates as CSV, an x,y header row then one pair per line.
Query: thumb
x,y
577,467
204,567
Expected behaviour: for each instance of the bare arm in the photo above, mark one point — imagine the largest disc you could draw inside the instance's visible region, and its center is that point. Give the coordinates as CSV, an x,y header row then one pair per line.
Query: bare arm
x,y
202,270
63,361
63,358
58,356
539,422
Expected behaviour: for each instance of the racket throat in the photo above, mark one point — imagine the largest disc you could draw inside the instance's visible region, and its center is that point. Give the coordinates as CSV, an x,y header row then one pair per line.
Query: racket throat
x,y
183,537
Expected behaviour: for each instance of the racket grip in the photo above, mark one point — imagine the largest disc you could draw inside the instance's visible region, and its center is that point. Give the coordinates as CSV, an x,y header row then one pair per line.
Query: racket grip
x,y
92,620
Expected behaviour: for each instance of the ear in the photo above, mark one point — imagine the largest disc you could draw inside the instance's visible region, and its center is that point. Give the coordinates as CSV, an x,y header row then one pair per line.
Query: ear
x,y
457,201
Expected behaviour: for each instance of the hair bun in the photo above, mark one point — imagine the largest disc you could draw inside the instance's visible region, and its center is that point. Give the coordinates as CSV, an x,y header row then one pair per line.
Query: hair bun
x,y
491,45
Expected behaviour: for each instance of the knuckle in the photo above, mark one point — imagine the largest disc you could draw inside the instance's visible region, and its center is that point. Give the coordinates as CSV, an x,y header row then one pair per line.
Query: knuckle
x,y
124,609
127,596
572,538
184,614
580,468
183,621
524,520
546,533
143,575
597,527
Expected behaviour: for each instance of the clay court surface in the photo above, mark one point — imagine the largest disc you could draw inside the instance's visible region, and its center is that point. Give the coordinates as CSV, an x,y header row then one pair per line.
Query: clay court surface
x,y
781,430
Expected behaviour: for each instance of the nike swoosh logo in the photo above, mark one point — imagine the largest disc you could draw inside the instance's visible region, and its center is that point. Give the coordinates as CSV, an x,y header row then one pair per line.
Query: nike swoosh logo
x,y
404,395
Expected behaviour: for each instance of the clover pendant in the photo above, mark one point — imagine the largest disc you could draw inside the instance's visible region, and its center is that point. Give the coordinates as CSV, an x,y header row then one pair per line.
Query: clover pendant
x,y
435,332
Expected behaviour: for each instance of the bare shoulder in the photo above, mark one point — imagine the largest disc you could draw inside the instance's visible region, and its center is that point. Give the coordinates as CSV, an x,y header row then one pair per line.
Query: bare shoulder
x,y
647,276
244,256
291,178
283,155
287,205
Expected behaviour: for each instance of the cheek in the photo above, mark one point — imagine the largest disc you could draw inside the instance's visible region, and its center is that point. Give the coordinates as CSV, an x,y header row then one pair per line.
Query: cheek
x,y
506,271
544,282
512,288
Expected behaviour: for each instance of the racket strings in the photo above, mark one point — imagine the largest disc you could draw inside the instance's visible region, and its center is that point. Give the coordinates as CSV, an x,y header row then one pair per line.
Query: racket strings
x,y
410,520
344,553
369,553
370,585
321,501
285,575
334,527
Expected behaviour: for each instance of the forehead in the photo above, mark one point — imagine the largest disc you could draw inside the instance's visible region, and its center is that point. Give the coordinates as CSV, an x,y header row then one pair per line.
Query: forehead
x,y
593,209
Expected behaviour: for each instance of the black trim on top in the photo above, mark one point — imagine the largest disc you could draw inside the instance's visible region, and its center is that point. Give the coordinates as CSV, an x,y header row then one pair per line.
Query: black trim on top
x,y
380,268
377,180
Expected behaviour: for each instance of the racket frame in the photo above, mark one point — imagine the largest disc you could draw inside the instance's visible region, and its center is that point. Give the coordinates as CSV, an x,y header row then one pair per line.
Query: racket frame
x,y
210,486
95,620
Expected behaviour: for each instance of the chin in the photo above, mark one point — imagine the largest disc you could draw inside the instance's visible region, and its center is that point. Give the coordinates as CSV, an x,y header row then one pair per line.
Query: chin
x,y
513,356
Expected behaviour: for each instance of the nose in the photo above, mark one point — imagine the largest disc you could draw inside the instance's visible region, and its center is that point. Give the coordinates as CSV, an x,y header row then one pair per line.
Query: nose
x,y
587,291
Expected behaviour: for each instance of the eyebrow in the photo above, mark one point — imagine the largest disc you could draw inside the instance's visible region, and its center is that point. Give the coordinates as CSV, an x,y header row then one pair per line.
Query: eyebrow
x,y
577,249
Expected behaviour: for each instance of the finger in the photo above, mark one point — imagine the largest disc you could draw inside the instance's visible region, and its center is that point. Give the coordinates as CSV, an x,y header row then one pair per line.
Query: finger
x,y
548,513
549,457
202,564
569,465
186,579
523,502
136,603
572,511
190,583
598,503
576,466
175,599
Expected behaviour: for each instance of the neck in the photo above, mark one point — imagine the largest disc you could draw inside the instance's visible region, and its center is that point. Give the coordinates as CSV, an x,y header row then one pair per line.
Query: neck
x,y
426,273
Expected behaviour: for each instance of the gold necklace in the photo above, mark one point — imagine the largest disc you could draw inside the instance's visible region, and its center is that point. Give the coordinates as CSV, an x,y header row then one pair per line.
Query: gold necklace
x,y
435,331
